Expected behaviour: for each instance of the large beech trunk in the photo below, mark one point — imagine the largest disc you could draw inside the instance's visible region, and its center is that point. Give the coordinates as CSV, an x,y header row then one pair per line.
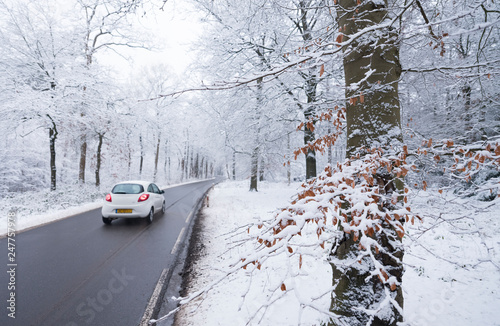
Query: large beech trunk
x,y
372,69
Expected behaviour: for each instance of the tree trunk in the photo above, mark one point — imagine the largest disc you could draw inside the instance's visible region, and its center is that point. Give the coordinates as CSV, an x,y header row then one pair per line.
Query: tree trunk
x,y
254,160
53,170
157,156
261,169
98,164
372,70
330,150
309,137
305,24
141,161
373,110
202,164
166,164
83,159
234,165
254,169
182,168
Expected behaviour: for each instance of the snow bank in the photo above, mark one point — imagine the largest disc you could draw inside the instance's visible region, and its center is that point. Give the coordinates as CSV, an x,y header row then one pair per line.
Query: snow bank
x,y
35,208
240,297
452,264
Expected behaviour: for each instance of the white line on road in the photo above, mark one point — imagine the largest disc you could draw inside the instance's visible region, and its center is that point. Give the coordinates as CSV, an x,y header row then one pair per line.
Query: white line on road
x,y
148,313
188,219
178,241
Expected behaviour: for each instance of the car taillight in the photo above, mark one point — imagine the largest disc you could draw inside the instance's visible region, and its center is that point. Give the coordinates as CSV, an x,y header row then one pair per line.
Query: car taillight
x,y
143,197
108,197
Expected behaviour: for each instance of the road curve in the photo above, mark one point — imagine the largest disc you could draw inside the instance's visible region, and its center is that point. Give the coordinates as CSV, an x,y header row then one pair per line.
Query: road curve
x,y
78,271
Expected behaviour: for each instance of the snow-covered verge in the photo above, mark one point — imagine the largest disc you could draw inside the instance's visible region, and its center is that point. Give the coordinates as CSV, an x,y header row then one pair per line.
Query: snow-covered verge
x,y
238,299
33,208
452,264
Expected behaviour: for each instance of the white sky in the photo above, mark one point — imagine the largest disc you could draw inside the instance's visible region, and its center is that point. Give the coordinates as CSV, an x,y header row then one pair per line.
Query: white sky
x,y
173,30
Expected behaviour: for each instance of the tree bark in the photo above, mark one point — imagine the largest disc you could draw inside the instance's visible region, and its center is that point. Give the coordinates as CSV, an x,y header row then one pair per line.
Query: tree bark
x,y
83,159
53,169
305,25
234,165
309,137
254,169
261,169
129,157
141,161
372,69
157,156
98,164
254,161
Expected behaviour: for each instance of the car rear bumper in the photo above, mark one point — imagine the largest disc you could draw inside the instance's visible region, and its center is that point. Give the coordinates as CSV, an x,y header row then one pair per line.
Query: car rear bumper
x,y
110,211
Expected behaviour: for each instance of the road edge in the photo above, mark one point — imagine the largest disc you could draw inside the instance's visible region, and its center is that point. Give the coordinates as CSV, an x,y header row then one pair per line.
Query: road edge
x,y
181,251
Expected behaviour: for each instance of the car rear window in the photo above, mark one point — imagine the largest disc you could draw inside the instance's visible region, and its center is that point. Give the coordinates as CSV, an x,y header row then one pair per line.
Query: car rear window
x,y
127,188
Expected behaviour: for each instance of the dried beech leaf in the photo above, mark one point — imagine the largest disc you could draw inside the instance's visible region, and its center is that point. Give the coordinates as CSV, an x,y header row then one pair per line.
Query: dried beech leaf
x,y
322,70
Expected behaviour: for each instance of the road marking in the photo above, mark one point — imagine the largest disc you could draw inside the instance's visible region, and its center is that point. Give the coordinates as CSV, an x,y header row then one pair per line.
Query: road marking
x,y
148,313
189,217
178,241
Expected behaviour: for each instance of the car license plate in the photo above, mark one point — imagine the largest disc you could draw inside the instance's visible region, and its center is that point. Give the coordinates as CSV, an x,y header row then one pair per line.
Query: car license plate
x,y
124,211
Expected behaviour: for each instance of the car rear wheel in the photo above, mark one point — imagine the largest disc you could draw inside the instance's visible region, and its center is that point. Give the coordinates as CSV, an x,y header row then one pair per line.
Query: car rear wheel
x,y
106,220
150,215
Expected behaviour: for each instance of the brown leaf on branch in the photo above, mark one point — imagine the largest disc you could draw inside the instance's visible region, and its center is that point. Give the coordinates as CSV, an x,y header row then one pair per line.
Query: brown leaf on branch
x,y
339,39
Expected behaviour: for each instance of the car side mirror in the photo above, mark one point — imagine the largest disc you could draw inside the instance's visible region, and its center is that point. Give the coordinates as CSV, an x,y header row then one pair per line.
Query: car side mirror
x,y
162,192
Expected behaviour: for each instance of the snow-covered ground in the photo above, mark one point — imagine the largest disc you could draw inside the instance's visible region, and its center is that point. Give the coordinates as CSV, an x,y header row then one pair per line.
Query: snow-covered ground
x,y
238,299
452,264
33,208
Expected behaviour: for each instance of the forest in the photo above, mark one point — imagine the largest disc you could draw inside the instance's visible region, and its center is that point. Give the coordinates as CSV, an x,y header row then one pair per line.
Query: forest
x,y
367,102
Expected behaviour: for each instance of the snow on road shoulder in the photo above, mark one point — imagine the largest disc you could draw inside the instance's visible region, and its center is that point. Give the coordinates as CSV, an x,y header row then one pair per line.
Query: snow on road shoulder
x,y
238,299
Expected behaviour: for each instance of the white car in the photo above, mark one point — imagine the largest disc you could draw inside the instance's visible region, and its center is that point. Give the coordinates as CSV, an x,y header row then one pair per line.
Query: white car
x,y
132,199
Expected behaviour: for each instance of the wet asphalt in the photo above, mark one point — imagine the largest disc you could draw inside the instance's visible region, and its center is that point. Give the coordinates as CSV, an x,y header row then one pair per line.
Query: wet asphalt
x,y
79,271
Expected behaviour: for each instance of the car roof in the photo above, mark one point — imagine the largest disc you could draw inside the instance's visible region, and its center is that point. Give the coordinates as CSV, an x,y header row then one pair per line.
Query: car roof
x,y
143,183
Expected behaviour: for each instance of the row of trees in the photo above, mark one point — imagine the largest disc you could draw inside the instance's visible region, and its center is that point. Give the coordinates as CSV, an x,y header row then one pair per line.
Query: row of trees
x,y
245,40
68,118
54,84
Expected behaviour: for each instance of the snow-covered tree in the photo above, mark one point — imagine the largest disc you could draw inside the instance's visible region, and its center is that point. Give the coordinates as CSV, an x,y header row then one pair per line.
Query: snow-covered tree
x,y
104,27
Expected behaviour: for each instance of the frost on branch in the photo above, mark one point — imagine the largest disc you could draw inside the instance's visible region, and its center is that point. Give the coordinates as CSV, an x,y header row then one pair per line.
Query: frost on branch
x,y
337,118
466,163
360,201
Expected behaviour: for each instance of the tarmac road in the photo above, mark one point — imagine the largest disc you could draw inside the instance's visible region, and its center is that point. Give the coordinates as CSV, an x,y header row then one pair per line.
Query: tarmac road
x,y
79,271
